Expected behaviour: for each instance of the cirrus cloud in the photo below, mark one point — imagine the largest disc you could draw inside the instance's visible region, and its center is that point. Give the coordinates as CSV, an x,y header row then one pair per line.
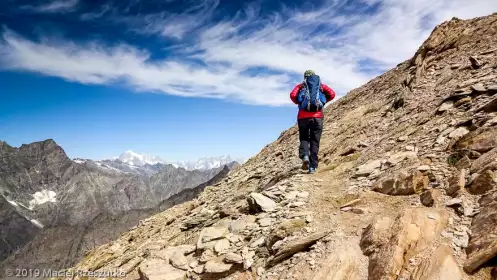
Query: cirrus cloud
x,y
249,57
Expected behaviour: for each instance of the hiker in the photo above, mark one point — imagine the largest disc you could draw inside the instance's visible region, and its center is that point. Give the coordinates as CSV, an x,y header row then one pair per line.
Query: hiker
x,y
311,96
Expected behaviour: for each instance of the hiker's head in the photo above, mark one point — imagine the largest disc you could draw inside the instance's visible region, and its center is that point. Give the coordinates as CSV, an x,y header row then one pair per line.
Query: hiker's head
x,y
308,73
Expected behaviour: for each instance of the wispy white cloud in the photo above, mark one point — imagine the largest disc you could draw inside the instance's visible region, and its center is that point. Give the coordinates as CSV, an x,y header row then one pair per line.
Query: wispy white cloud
x,y
56,6
250,58
168,24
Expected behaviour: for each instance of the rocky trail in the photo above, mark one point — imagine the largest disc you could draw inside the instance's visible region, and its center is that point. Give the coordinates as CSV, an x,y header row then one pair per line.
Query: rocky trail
x,y
406,187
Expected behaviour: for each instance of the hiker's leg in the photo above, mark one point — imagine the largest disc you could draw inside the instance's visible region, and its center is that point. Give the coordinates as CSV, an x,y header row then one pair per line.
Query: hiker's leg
x,y
315,136
303,137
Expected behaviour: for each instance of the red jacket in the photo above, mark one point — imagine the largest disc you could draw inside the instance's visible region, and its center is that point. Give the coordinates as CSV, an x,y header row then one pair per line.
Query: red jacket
x,y
328,93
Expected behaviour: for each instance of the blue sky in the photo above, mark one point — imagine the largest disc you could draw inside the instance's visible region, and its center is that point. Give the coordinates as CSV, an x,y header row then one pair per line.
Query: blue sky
x,y
190,79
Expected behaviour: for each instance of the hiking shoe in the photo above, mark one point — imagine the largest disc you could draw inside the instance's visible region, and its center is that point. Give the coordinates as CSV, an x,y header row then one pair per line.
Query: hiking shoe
x,y
312,170
305,163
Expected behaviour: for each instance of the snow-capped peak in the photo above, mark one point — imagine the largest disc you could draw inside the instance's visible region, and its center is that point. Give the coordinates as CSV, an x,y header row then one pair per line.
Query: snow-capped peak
x,y
206,163
136,159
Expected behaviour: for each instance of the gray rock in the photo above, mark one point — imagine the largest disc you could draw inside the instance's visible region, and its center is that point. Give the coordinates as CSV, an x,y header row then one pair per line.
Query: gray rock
x,y
461,239
424,168
478,88
207,255
213,233
233,258
303,194
216,267
199,269
458,133
260,271
446,106
258,242
454,202
259,202
368,168
296,204
295,246
179,260
156,269
291,195
222,246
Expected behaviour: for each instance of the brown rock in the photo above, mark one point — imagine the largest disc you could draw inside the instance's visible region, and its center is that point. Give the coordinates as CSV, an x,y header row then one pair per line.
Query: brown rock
x,y
482,244
429,197
487,199
484,160
490,107
412,232
440,266
483,183
295,246
464,162
475,64
402,183
480,140
456,183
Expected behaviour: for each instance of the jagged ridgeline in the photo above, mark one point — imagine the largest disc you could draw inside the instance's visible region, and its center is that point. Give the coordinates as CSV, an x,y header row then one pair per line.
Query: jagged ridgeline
x,y
54,210
405,190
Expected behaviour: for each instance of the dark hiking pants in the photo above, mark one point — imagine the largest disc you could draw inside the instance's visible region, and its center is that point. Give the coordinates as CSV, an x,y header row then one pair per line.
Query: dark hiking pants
x,y
310,134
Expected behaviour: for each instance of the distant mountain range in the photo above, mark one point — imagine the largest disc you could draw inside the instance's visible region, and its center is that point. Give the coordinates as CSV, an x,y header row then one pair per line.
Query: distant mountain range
x,y
135,160
54,209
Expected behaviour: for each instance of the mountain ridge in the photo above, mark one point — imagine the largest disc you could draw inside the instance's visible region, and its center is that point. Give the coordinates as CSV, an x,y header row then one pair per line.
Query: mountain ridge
x,y
44,194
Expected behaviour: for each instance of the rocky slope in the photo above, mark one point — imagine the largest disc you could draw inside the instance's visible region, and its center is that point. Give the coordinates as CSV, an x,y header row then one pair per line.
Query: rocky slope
x,y
405,189
64,208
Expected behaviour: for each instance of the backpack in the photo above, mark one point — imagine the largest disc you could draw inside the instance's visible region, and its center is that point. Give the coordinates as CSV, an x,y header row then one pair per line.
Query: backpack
x,y
310,97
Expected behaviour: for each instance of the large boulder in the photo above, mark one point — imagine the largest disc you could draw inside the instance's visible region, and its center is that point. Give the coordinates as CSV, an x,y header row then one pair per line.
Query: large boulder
x,y
482,243
389,243
440,266
485,160
480,140
483,183
402,183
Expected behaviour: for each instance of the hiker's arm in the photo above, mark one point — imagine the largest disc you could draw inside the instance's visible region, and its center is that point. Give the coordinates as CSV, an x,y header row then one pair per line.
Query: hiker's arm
x,y
294,92
328,92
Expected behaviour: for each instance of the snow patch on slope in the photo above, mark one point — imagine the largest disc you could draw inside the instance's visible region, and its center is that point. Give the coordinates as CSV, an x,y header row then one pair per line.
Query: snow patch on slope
x,y
36,223
42,197
13,203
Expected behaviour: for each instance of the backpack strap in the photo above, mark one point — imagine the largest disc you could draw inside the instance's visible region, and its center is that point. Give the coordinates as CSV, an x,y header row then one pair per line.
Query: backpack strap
x,y
307,94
